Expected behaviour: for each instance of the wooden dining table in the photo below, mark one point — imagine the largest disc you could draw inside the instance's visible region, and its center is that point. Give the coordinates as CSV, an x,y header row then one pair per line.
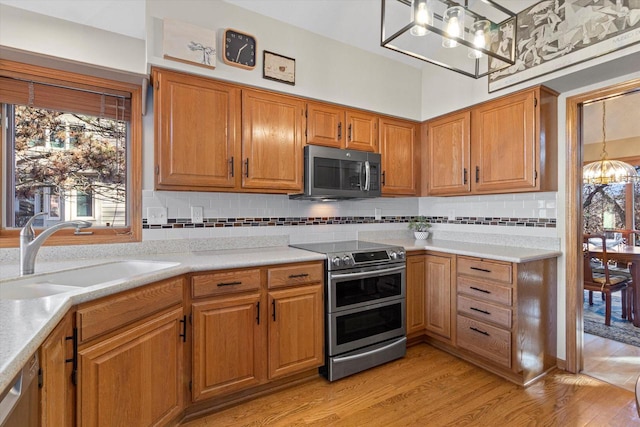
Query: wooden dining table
x,y
625,254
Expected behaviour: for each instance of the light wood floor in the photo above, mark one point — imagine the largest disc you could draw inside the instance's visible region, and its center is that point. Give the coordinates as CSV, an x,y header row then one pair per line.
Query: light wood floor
x,y
431,388
611,361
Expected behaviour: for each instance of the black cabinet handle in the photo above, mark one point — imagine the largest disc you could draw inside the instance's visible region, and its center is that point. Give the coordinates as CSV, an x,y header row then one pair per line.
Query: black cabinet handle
x,y
465,176
479,331
184,328
246,162
349,135
295,276
383,178
480,290
339,131
484,270
258,311
479,310
273,304
477,174
74,359
229,284
231,166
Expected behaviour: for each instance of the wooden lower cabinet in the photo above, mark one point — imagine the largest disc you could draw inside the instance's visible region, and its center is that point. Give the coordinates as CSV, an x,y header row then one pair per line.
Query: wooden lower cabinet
x,y
295,329
440,296
416,299
134,376
254,326
57,393
228,345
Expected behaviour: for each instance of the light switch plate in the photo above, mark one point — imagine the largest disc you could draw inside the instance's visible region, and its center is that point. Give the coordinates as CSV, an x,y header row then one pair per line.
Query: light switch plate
x,y
197,215
156,216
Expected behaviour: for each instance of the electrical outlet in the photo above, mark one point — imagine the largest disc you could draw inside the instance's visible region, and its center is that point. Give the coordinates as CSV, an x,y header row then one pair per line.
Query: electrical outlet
x,y
378,213
197,215
156,216
452,215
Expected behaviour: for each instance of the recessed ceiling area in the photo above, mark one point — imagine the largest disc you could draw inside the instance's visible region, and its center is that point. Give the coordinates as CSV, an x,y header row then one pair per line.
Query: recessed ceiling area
x,y
622,119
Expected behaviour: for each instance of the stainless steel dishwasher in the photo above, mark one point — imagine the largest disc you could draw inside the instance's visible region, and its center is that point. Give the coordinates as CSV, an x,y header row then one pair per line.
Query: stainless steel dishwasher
x,y
19,403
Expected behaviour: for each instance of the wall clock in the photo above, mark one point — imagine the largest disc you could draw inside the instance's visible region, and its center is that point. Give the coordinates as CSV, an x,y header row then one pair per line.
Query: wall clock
x,y
239,49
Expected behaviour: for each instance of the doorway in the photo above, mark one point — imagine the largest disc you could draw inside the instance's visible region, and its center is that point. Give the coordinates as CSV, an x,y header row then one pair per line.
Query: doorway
x,y
574,218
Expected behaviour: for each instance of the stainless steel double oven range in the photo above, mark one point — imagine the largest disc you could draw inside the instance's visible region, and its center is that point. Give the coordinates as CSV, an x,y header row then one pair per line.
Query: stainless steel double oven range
x,y
364,305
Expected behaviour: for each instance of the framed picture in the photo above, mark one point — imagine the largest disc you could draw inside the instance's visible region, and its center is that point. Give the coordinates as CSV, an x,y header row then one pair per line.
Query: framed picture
x,y
552,35
188,43
279,68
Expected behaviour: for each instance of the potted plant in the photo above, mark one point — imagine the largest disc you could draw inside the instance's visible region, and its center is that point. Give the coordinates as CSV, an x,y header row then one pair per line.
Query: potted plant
x,y
420,227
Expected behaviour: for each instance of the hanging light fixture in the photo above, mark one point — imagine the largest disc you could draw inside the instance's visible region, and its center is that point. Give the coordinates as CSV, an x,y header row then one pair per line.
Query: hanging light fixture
x,y
471,40
606,171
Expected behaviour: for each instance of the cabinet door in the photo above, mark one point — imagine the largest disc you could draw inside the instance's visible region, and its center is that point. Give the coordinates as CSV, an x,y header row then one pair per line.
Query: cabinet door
x,y
362,131
228,345
448,155
296,330
196,128
439,296
272,127
57,400
504,151
325,125
133,377
416,293
399,158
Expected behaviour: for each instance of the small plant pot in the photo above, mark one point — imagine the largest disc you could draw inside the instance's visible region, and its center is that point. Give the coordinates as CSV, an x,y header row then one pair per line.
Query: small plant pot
x,y
421,235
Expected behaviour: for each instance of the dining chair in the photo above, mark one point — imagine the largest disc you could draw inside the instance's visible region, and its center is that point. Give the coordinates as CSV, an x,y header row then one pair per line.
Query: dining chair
x,y
603,280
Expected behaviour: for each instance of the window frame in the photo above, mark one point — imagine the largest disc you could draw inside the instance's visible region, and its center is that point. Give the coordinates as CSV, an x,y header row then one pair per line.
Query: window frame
x,y
9,237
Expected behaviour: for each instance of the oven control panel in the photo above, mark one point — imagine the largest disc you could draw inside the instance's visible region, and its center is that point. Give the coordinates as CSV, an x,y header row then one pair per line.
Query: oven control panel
x,y
356,259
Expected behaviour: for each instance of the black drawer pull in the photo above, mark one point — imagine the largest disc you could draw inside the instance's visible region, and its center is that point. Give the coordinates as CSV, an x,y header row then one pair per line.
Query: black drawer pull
x,y
296,276
480,311
479,331
484,291
229,283
480,269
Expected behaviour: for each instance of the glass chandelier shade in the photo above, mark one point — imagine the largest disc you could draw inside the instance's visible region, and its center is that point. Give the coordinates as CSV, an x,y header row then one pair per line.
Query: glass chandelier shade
x,y
606,171
472,37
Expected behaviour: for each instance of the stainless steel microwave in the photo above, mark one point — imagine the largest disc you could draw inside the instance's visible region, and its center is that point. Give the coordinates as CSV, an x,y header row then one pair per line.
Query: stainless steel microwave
x,y
334,174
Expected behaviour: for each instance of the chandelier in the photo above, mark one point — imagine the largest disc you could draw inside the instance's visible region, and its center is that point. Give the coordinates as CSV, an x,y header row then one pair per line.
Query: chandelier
x,y
608,171
471,37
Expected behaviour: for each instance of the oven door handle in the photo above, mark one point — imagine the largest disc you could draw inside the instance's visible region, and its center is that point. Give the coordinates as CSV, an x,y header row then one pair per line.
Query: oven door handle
x,y
370,273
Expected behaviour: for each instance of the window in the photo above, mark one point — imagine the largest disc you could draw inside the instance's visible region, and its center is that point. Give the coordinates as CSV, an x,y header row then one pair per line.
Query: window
x,y
71,148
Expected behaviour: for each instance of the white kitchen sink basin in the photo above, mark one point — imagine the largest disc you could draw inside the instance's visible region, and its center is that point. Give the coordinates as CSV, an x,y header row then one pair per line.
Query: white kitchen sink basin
x,y
43,285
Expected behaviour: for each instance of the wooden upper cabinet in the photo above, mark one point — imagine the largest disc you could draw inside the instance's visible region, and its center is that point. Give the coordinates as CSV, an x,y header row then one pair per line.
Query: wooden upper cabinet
x,y
197,131
448,154
272,132
362,131
512,146
400,158
505,156
325,125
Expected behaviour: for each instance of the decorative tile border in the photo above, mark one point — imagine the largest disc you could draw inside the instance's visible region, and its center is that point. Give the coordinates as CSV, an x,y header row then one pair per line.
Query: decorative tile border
x,y
298,221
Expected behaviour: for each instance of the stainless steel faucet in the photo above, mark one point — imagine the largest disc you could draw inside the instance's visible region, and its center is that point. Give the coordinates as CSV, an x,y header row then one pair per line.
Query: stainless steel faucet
x,y
30,244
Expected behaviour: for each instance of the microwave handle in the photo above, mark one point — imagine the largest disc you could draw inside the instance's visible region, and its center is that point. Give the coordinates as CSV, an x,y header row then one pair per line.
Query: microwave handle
x,y
367,175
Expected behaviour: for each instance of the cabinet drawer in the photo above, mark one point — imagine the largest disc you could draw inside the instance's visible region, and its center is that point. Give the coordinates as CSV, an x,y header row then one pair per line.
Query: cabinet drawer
x,y
485,340
110,313
491,270
483,290
295,275
485,311
225,282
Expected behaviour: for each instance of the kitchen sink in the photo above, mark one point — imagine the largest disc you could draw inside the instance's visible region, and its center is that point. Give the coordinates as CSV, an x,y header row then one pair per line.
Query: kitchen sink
x,y
48,284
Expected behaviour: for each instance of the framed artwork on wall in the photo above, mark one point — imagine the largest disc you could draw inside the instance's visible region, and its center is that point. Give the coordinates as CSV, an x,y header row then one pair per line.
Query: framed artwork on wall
x,y
188,43
279,68
555,34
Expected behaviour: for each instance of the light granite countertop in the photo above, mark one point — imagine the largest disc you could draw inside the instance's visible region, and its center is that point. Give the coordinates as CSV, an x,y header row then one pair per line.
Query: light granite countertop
x,y
24,324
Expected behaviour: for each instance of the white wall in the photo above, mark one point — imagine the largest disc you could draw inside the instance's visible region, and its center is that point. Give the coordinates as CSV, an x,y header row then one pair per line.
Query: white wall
x,y
325,69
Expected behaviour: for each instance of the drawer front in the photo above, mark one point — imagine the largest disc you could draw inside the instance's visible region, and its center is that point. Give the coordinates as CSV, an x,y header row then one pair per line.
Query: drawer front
x,y
485,311
291,275
490,270
110,313
225,282
485,340
486,291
